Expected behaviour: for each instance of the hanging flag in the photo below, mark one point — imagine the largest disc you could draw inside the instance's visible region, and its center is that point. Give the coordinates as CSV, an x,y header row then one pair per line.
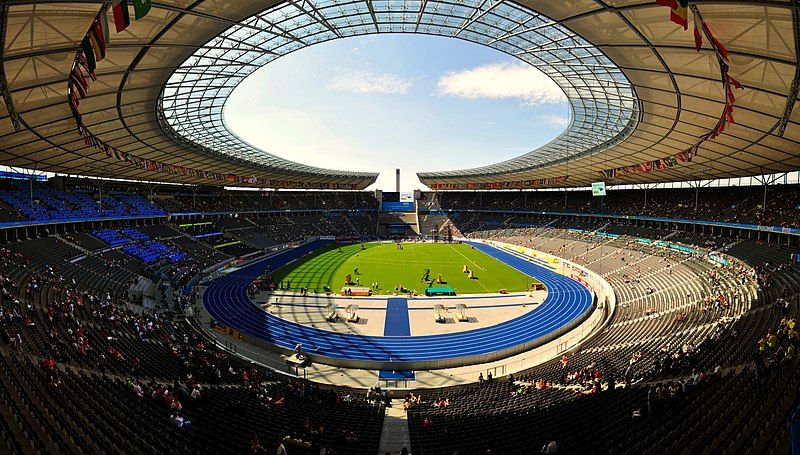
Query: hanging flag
x,y
97,40
88,54
679,14
141,8
103,19
729,115
122,17
73,105
729,97
78,83
698,34
85,64
733,81
722,51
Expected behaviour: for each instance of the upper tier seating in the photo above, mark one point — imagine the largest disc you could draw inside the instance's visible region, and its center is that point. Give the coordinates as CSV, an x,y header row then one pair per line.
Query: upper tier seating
x,y
51,204
733,204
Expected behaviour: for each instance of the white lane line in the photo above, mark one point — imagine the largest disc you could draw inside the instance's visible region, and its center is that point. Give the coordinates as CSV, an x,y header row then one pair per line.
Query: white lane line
x,y
473,262
470,260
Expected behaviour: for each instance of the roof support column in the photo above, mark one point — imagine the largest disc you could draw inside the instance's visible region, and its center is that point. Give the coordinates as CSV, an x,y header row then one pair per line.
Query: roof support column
x,y
4,89
30,184
792,97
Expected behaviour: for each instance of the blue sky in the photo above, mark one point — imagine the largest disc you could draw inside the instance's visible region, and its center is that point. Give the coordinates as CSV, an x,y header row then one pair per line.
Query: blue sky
x,y
378,102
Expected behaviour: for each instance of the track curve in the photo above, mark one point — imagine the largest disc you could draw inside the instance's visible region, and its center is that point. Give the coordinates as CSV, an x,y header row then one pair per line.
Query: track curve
x,y
567,303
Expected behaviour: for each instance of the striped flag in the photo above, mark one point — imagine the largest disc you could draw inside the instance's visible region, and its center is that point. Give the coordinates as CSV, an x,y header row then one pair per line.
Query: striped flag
x,y
88,55
698,34
97,40
722,51
78,83
680,14
679,11
85,64
122,16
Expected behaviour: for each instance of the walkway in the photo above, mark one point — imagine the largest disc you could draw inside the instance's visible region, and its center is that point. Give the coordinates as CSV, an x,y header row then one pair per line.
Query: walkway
x,y
394,435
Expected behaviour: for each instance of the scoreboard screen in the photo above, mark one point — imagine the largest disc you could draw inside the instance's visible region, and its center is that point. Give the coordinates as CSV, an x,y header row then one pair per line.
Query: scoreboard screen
x,y
599,189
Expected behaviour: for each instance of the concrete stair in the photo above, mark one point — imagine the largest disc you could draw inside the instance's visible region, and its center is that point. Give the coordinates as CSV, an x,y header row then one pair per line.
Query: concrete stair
x,y
395,429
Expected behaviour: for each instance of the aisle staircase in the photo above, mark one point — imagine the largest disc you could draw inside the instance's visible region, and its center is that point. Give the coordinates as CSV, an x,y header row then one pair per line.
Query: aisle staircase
x,y
394,435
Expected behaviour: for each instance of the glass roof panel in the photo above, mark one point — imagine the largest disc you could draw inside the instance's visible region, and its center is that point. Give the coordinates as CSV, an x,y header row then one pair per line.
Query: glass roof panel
x,y
604,106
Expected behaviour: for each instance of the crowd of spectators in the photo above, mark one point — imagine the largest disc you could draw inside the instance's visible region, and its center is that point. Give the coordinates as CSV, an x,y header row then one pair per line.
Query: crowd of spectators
x,y
743,204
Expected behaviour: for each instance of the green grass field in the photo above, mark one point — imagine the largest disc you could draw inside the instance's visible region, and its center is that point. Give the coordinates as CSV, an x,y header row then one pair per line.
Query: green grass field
x,y
390,267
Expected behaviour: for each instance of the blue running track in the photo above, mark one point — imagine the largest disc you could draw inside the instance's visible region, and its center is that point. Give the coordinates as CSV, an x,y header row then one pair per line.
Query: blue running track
x,y
227,302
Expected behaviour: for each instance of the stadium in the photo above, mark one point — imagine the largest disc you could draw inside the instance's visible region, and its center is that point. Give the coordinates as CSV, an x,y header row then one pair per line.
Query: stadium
x,y
631,284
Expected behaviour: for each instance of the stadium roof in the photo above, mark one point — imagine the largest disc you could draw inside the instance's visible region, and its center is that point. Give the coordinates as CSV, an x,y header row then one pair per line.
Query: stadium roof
x,y
639,91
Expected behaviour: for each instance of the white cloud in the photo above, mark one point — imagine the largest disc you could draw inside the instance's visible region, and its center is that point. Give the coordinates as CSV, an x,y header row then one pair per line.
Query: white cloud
x,y
502,81
355,81
553,120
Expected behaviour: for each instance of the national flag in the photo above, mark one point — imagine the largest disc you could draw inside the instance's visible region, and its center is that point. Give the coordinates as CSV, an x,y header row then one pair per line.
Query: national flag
x,y
74,102
698,34
722,51
79,83
97,40
122,16
76,91
679,14
670,3
729,115
88,55
74,95
729,97
733,81
141,8
231,178
683,156
85,64
103,19
660,165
